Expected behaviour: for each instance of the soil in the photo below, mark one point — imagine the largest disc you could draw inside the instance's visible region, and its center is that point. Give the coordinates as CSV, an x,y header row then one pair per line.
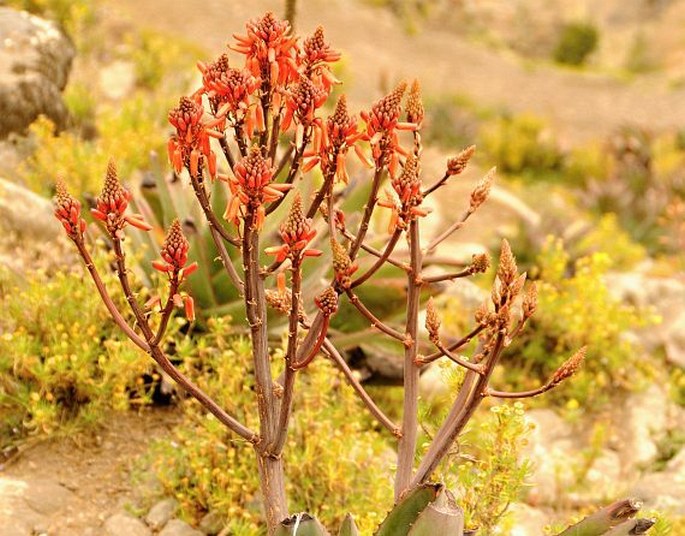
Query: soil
x,y
95,467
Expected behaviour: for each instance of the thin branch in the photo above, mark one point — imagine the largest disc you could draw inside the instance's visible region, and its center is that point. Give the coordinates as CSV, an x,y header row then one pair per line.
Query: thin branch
x,y
373,251
294,168
389,248
451,229
168,308
223,141
448,277
285,159
521,394
475,367
436,185
334,354
368,211
227,262
107,300
452,347
375,321
214,223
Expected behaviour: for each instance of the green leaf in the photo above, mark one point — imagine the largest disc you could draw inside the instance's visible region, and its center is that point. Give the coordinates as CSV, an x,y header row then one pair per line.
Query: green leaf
x,y
348,527
401,518
442,516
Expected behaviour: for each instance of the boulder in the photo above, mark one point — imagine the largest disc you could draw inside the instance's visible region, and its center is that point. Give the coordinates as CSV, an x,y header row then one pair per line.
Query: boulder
x,y
35,60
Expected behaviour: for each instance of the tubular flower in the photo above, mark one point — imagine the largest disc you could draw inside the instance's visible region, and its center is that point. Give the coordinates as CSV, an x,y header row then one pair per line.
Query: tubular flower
x,y
302,101
175,253
315,56
296,232
228,89
252,186
270,49
111,204
458,163
382,122
338,135
406,204
68,211
190,146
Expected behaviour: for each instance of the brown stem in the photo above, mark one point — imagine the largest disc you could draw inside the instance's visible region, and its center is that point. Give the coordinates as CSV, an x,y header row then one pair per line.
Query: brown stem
x,y
107,300
451,229
285,159
239,135
475,367
375,321
407,443
271,471
290,355
389,248
454,346
368,211
448,277
214,223
160,358
334,354
373,251
311,353
168,308
223,141
461,412
436,185
227,262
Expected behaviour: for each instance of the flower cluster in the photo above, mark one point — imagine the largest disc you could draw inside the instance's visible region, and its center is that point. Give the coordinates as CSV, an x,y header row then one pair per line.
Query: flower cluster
x,y
111,205
316,54
175,253
251,186
270,49
342,264
190,146
327,301
228,90
405,198
296,232
68,211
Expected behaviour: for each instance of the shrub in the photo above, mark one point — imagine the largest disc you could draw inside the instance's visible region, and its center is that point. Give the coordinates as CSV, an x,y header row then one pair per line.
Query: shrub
x,y
577,41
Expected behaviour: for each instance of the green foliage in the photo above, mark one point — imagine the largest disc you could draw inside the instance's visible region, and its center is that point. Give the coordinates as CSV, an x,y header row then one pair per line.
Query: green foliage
x,y
335,462
521,144
490,474
577,41
575,309
63,365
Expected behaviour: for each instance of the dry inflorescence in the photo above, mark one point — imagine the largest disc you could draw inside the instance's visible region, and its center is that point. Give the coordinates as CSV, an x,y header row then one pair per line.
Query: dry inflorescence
x,y
245,114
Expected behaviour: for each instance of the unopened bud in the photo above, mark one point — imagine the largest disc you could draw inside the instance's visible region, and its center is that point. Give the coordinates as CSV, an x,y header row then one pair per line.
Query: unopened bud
x,y
327,301
458,163
569,367
480,263
432,322
481,192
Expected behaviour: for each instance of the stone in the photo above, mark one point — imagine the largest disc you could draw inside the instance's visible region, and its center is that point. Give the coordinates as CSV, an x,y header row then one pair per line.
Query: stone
x,y
35,60
211,523
123,523
47,497
176,527
644,423
160,514
552,450
16,517
526,520
118,79
674,343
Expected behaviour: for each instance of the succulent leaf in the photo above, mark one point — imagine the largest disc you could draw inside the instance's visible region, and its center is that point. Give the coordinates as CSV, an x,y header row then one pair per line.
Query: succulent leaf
x,y
301,525
348,527
401,518
442,516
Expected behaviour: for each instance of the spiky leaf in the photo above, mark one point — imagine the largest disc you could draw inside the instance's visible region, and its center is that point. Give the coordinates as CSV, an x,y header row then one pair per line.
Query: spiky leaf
x,y
401,518
301,525
442,516
348,527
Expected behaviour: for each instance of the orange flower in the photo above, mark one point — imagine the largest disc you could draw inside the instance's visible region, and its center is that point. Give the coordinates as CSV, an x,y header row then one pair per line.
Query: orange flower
x,y
296,232
111,205
229,90
316,54
189,148
270,49
302,101
68,211
252,186
175,253
405,199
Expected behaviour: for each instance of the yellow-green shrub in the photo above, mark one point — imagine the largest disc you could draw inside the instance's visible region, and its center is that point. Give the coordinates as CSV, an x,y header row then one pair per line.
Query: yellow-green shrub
x,y
62,362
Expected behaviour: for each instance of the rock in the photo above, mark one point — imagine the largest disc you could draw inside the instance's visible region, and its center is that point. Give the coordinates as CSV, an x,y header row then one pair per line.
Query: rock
x,y
644,421
552,451
35,59
211,523
674,343
664,490
603,479
27,225
16,517
118,79
47,497
526,520
120,524
176,527
160,514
